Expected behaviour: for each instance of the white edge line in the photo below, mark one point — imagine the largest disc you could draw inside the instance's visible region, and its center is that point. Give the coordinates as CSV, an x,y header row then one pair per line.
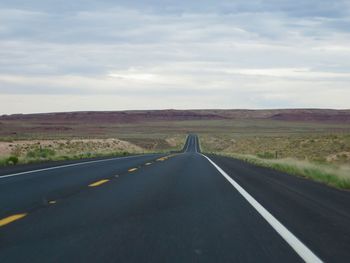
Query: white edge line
x,y
187,141
66,165
195,144
303,251
198,145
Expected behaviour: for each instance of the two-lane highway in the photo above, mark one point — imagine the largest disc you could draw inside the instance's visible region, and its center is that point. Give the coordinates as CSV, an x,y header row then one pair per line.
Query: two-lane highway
x,y
152,208
27,191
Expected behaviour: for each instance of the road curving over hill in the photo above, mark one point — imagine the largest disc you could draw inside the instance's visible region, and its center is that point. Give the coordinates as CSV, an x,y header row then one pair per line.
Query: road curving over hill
x,y
180,207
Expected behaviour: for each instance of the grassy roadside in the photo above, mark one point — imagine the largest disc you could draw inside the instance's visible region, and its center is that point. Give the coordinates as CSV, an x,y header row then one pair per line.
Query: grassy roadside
x,y
13,160
333,175
36,151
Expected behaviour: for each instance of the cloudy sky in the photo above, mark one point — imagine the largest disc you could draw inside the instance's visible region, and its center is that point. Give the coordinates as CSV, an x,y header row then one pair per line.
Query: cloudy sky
x,y
60,55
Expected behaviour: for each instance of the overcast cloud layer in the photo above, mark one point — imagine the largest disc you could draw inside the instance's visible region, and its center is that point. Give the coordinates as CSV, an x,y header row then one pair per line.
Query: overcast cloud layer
x,y
113,55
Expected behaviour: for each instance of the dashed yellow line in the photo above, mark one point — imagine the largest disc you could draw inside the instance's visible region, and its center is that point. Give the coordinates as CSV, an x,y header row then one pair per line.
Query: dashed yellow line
x,y
161,159
98,183
10,219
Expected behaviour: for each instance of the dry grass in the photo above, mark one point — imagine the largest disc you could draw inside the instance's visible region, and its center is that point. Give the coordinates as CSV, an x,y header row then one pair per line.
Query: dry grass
x,y
333,149
28,151
21,148
333,175
322,157
44,150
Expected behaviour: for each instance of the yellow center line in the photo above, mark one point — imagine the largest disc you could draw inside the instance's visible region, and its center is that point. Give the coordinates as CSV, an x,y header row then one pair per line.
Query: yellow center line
x,y
161,159
132,170
98,183
10,219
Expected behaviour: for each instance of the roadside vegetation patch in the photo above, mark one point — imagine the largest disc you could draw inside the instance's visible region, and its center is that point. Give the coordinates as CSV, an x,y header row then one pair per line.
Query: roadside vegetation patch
x,y
22,152
319,148
323,157
334,175
29,151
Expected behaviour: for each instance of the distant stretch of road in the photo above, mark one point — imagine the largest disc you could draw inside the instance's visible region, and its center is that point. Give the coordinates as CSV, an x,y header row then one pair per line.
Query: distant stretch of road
x,y
179,207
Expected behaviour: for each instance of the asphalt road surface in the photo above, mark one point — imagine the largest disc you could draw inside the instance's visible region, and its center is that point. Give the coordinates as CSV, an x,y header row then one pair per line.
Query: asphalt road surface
x,y
183,207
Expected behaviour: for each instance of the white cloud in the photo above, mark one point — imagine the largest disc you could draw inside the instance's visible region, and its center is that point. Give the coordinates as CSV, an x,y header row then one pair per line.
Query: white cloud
x,y
220,55
305,73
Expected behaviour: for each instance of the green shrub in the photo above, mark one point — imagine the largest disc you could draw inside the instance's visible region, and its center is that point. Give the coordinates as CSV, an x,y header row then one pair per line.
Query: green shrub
x,y
12,160
41,153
